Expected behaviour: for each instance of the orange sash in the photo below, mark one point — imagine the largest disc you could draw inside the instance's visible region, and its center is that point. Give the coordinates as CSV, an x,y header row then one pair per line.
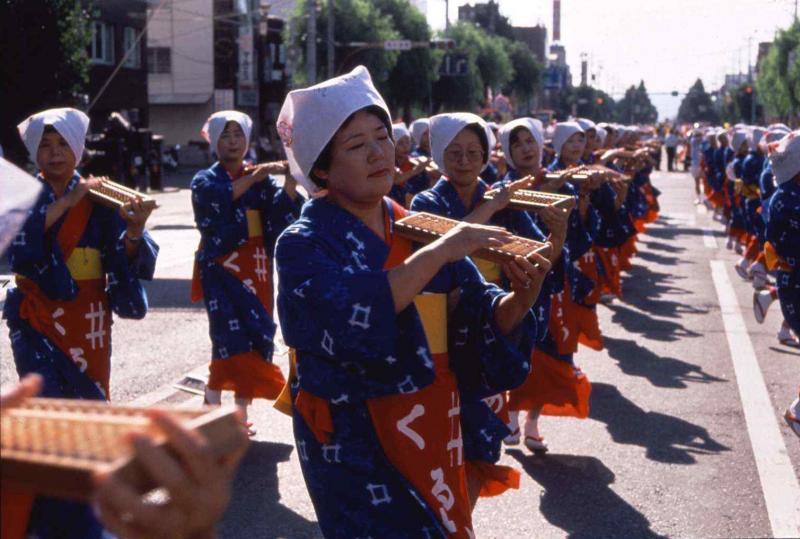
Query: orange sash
x,y
81,327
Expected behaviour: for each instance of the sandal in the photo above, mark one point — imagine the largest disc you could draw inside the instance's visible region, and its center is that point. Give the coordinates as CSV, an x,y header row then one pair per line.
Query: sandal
x,y
792,421
250,430
536,444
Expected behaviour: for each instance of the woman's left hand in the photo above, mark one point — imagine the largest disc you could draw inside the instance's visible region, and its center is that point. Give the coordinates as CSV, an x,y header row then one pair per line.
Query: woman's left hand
x,y
527,276
135,215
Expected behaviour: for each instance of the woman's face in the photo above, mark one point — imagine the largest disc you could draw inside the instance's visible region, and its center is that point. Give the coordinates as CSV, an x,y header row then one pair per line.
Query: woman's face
x,y
572,150
232,143
402,148
362,161
525,152
54,156
464,157
425,141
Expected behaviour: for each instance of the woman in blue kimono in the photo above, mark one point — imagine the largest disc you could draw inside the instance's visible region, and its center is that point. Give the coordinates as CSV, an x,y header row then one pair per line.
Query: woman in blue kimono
x,y
737,225
409,177
240,213
783,232
376,397
460,144
75,262
554,387
752,166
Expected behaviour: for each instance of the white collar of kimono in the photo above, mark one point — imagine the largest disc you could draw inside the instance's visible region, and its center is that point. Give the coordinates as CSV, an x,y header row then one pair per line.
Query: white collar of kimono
x,y
418,128
399,130
785,157
310,117
529,124
216,123
71,124
563,131
445,127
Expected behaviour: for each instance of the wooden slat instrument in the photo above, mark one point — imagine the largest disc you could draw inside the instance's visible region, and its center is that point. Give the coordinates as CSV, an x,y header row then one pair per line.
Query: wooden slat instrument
x,y
528,200
426,227
430,166
273,167
115,195
54,446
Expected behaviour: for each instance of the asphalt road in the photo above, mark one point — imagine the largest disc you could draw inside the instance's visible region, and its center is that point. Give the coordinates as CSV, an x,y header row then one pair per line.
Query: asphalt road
x,y
666,451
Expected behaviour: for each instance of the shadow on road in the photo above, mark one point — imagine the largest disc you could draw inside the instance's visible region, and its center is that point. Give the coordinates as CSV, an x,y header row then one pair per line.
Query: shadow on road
x,y
652,328
255,509
636,360
170,294
661,246
576,497
665,438
786,351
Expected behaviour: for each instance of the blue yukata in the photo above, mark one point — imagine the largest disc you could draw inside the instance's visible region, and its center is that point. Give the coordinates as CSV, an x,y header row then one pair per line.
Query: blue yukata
x,y
377,398
70,278
738,222
783,235
752,167
233,275
442,199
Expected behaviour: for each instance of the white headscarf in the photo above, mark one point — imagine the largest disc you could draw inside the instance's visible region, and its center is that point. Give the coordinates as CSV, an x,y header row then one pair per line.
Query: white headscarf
x,y
530,125
310,117
601,135
418,128
774,134
739,137
399,130
586,124
563,131
445,127
785,157
755,137
216,123
71,124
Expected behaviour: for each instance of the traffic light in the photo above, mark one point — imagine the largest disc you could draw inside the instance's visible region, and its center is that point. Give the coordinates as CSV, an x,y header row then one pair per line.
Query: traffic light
x,y
599,101
674,93
748,89
444,44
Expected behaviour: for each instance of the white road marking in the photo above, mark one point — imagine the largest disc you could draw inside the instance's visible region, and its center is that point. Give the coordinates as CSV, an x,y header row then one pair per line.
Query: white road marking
x,y
701,209
708,239
778,481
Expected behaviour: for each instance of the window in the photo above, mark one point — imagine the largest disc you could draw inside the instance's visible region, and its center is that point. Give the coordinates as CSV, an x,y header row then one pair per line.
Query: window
x,y
129,42
159,60
102,48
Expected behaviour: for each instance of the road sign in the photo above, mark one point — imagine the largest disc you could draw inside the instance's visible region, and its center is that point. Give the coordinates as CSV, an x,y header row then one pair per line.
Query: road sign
x,y
397,45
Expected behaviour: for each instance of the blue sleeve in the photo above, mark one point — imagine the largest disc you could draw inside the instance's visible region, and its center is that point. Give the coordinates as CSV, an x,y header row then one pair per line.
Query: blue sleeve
x,y
280,210
342,322
484,360
126,294
222,224
783,226
35,254
427,201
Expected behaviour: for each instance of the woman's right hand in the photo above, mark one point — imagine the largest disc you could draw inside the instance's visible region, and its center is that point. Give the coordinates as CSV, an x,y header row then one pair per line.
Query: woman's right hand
x,y
83,187
465,238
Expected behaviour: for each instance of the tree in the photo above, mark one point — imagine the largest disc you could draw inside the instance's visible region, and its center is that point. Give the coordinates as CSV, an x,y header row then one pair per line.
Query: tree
x,y
411,79
737,105
44,61
488,18
489,66
778,83
635,107
697,106
354,20
527,72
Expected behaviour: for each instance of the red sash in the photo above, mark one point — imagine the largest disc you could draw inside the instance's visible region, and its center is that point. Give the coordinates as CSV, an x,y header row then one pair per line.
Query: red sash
x,y
80,328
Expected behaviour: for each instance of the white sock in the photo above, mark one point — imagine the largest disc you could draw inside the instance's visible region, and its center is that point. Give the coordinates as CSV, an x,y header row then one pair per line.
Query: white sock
x,y
242,404
513,420
532,424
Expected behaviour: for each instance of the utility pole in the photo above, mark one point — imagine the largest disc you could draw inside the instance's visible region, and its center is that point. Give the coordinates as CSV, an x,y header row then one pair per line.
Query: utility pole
x,y
311,42
446,16
331,48
750,80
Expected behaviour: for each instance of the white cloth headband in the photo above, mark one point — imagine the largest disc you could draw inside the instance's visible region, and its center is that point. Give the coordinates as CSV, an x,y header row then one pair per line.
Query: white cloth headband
x,y
71,124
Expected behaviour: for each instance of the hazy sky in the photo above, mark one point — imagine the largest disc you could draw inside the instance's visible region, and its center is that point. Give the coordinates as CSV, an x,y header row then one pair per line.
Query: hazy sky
x,y
668,43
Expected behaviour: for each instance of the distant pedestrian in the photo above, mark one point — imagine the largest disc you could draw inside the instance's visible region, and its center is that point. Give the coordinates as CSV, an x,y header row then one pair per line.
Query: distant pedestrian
x,y
671,143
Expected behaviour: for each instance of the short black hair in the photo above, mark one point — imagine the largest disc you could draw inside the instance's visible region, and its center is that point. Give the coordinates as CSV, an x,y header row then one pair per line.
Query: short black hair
x,y
515,133
49,129
478,130
323,162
